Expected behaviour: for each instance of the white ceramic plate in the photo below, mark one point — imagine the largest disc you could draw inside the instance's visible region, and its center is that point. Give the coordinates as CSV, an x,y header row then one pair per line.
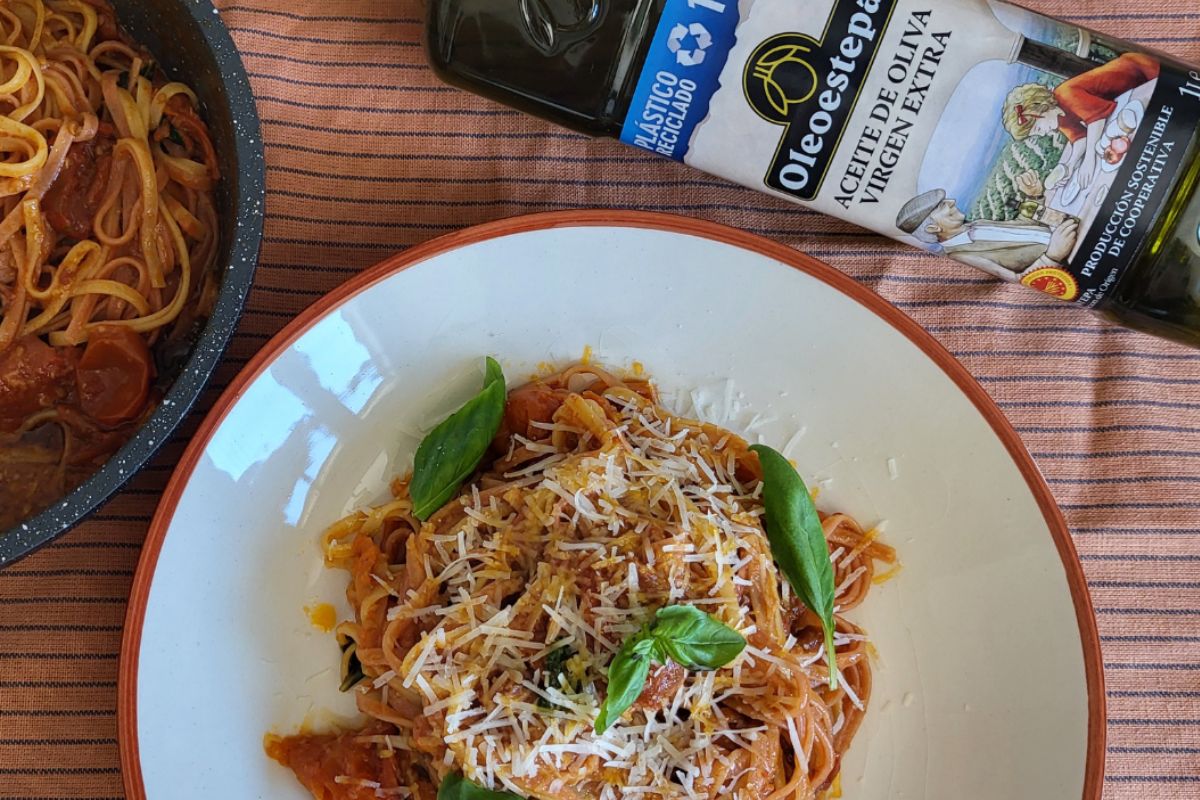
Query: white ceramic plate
x,y
988,683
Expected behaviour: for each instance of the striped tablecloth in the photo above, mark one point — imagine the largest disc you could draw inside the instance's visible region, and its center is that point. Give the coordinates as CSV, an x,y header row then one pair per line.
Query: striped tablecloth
x,y
367,154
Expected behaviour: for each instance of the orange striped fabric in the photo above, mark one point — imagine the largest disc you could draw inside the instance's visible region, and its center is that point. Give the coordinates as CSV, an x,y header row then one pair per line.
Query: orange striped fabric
x,y
367,154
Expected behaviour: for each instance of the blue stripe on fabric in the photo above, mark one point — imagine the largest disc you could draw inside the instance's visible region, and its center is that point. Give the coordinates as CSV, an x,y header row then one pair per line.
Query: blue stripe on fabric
x,y
1145,557
1100,330
1046,454
498,179
55,628
322,18
1152,778
388,111
307,62
388,246
1146,612
1055,308
436,88
30,656
1061,354
1144,505
1134,16
1120,665
1108,429
1134,480
1087,379
1118,403
1107,531
61,770
1151,639
1144,584
13,742
87,601
399,44
67,573
565,136
502,158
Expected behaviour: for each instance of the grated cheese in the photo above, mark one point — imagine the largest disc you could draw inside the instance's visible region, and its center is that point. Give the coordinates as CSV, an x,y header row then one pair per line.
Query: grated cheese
x,y
595,543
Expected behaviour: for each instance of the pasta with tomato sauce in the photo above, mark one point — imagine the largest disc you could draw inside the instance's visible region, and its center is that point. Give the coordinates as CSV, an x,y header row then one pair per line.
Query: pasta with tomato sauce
x,y
108,240
486,637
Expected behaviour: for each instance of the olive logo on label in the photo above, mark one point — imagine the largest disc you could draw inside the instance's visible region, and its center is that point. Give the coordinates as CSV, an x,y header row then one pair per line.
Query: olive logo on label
x,y
779,76
810,86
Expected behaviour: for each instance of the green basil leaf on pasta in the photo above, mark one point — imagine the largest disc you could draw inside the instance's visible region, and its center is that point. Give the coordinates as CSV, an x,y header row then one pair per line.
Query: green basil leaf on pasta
x,y
452,450
456,787
492,372
556,663
683,634
352,671
798,541
555,673
627,677
694,639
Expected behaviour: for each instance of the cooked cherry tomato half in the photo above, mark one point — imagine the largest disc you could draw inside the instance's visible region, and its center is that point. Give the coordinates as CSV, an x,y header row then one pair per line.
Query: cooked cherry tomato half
x,y
113,376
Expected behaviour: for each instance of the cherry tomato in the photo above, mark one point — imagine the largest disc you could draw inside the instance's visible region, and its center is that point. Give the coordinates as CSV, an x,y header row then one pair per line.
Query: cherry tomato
x,y
531,403
113,377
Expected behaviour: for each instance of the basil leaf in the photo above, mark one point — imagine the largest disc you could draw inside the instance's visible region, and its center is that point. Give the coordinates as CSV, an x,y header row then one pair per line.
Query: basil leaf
x,y
798,542
694,639
452,450
352,671
492,372
554,669
456,787
627,677
683,634
556,663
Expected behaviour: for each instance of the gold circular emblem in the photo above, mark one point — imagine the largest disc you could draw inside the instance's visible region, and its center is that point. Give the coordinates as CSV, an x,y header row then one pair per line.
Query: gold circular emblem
x,y
1053,281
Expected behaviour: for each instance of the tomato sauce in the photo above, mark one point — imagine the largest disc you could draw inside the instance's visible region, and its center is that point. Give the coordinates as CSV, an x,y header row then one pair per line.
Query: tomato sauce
x,y
64,411
661,685
33,376
73,199
339,766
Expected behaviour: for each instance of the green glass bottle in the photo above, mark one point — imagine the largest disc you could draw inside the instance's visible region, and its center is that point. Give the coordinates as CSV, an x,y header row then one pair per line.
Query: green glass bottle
x,y
928,122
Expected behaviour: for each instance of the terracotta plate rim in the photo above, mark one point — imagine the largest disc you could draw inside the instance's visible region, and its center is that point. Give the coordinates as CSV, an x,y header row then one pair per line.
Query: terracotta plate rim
x,y
127,731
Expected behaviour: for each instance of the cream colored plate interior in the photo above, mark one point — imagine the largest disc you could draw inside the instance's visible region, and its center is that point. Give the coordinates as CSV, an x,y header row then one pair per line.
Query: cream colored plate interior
x,y
980,689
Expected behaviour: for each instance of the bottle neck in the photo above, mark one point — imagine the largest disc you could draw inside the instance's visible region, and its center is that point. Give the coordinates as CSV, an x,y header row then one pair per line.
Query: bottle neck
x,y
573,62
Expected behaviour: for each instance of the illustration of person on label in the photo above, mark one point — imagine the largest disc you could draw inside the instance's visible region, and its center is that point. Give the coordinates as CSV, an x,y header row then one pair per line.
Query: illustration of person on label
x,y
1030,185
1079,109
1005,249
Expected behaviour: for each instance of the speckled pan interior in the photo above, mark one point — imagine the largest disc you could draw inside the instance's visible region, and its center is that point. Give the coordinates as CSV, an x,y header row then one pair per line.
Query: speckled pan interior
x,y
191,43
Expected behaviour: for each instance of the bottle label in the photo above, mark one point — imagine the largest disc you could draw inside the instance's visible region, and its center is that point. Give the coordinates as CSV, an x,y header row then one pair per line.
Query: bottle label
x,y
1032,149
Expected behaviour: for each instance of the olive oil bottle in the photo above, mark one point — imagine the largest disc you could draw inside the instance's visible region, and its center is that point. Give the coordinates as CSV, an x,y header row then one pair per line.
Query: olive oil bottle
x,y
1040,152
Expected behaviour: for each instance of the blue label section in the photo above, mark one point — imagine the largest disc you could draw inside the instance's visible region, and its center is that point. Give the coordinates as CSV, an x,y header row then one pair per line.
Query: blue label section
x,y
680,75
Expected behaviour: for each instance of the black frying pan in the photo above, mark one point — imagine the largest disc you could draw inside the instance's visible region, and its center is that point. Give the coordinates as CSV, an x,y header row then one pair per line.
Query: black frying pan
x,y
189,41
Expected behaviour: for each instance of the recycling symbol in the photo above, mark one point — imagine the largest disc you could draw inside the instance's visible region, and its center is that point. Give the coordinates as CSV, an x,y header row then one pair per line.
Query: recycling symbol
x,y
695,35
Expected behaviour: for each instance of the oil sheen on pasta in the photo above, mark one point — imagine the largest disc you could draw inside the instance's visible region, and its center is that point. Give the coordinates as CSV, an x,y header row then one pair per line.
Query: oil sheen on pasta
x,y
485,634
108,237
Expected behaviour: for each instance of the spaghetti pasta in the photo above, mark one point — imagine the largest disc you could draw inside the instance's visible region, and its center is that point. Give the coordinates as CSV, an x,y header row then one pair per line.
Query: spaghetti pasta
x,y
484,635
108,240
